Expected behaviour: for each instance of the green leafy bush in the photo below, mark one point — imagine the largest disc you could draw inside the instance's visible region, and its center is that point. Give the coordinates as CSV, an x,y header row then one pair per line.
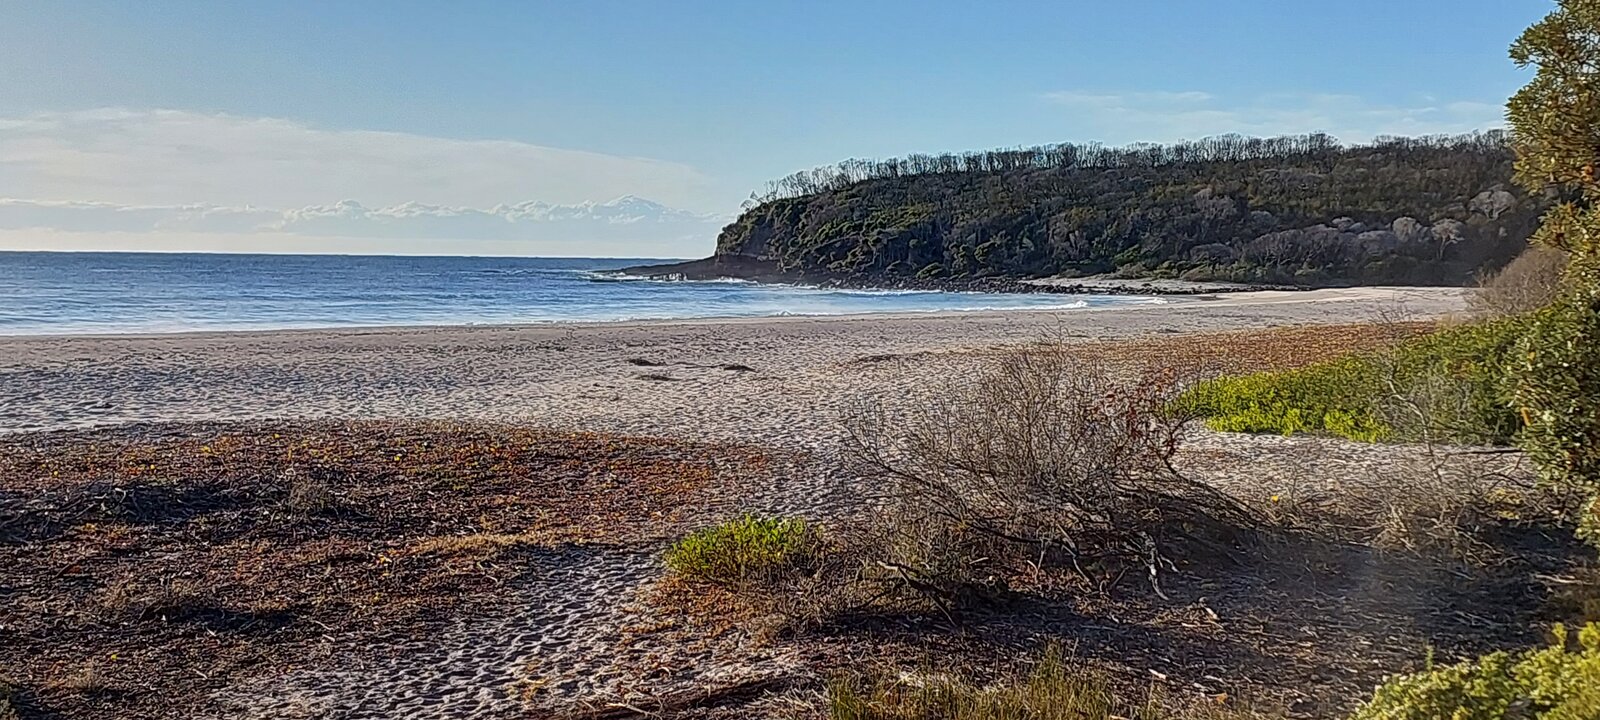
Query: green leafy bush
x,y
1293,401
747,548
1355,426
1557,390
1447,385
1459,378
1555,683
1557,364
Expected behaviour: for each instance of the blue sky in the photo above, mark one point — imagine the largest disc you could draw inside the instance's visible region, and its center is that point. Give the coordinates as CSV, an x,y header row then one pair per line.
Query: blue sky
x,y
295,106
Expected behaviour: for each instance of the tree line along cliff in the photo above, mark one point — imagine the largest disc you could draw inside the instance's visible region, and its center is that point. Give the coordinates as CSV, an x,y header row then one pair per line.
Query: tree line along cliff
x,y
1302,210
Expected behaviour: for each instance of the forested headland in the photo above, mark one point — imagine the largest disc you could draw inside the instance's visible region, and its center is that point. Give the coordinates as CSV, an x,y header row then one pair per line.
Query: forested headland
x,y
1302,210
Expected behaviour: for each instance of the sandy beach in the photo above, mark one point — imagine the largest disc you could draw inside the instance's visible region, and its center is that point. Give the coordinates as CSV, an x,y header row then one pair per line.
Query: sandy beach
x,y
667,378
568,624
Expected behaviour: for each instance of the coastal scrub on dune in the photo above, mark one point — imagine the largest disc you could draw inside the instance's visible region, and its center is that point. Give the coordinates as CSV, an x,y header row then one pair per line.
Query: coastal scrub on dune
x,y
1529,370
1529,373
1558,682
1037,500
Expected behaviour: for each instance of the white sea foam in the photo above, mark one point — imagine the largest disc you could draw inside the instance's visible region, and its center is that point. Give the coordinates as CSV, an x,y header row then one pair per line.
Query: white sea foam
x,y
621,277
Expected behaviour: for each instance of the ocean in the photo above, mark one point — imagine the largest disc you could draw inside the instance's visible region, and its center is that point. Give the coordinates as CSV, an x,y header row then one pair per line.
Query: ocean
x,y
83,293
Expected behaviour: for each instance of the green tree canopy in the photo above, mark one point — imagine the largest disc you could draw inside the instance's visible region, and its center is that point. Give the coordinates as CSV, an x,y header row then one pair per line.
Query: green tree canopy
x,y
1555,121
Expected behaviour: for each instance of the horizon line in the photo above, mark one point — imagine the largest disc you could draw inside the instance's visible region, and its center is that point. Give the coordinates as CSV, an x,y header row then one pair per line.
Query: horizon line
x,y
334,254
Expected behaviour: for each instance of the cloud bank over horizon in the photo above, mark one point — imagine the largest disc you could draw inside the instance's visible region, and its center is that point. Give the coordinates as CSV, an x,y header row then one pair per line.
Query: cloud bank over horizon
x,y
116,178
178,157
531,227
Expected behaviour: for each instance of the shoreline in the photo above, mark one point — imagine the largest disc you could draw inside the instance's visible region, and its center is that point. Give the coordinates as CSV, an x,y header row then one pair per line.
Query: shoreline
x,y
761,270
1234,298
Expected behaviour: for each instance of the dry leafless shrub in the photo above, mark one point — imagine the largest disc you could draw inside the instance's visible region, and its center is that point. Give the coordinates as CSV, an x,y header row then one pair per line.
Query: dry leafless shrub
x,y
122,600
87,680
1444,499
1035,460
1575,597
1433,408
1431,500
310,489
1434,508
1527,283
9,700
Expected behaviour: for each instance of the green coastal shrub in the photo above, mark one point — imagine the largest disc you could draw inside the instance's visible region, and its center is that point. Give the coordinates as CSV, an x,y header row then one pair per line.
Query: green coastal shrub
x,y
1291,401
1557,390
747,548
1447,385
1459,375
1557,365
1554,683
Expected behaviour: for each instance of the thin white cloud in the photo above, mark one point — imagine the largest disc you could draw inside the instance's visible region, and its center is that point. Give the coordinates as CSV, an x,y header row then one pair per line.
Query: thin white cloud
x,y
519,228
1169,116
270,242
175,157
1130,99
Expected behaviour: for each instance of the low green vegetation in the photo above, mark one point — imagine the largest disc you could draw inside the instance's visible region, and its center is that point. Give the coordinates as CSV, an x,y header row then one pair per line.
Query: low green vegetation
x,y
747,548
1554,683
1053,691
1449,385
1318,398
